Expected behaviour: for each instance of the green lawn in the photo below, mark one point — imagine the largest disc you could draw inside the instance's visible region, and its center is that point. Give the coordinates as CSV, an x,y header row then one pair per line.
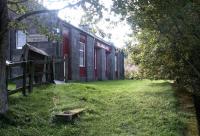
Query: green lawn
x,y
113,108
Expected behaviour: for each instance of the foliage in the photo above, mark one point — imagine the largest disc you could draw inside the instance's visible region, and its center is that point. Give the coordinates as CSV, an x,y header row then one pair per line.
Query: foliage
x,y
131,70
168,34
128,107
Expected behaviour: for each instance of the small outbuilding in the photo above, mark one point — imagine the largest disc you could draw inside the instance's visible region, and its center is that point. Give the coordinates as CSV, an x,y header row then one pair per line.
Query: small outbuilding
x,y
42,63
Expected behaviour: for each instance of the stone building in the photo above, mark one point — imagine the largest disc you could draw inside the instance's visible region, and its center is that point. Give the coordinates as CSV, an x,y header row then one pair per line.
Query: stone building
x,y
88,56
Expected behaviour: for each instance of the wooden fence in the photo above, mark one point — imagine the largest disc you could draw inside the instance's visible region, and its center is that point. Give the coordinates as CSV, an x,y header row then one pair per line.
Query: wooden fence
x,y
29,75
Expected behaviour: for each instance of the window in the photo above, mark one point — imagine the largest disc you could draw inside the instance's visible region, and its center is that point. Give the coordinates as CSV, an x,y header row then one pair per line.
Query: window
x,y
82,54
20,39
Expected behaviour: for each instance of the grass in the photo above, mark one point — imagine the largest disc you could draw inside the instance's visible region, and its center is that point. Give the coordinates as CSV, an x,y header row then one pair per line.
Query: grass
x,y
113,108
11,86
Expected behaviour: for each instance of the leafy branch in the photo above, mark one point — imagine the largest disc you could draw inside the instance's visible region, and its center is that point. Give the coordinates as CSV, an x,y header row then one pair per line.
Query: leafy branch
x,y
20,18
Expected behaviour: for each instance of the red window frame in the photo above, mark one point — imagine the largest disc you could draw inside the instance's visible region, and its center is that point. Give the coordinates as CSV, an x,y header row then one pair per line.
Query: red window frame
x,y
82,51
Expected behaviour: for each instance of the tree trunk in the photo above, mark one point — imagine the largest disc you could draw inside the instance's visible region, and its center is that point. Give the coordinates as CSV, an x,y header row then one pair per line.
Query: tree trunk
x,y
3,46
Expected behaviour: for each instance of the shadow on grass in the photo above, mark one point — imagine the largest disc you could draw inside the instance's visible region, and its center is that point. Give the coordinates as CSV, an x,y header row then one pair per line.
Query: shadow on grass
x,y
157,93
162,84
7,120
11,117
165,90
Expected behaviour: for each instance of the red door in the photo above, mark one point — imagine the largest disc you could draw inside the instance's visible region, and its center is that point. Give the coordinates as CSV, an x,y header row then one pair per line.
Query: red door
x,y
65,44
66,53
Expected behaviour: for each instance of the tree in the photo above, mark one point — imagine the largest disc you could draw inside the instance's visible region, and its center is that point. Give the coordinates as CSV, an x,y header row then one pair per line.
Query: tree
x,y
168,34
19,7
3,44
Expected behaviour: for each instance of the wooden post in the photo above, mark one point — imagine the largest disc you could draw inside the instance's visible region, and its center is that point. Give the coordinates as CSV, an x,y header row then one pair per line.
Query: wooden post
x,y
65,68
31,76
52,70
45,74
48,71
7,68
24,78
33,71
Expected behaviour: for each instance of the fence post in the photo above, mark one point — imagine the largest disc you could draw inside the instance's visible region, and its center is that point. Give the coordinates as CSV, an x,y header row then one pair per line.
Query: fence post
x,y
31,76
24,78
48,71
53,69
46,63
7,66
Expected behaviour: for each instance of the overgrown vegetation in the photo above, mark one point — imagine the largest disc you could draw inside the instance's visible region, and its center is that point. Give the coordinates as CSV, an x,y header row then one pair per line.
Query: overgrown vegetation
x,y
140,108
168,38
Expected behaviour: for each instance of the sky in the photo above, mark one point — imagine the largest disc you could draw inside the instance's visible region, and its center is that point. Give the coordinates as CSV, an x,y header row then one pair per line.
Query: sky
x,y
118,31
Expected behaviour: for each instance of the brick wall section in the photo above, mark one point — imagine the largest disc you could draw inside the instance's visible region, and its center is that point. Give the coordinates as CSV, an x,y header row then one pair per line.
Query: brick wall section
x,y
74,56
90,58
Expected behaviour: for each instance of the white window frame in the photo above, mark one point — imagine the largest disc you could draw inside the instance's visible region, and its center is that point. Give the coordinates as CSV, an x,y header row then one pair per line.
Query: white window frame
x,y
20,42
83,51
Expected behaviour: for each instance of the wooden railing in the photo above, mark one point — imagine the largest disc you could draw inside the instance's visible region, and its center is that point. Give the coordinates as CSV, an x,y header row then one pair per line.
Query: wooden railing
x,y
29,74
23,76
